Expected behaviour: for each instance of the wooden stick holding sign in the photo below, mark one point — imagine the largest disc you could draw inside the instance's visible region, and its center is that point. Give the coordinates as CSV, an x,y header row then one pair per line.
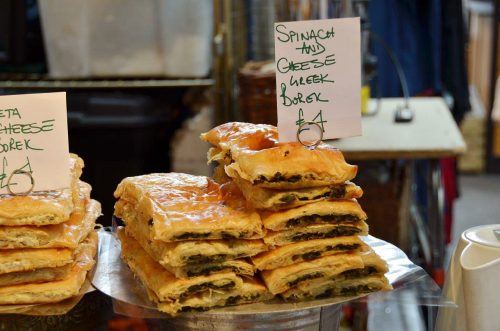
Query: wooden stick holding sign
x,y
318,78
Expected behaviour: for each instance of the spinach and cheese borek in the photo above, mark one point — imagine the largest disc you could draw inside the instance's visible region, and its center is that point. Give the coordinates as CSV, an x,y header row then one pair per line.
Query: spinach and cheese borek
x,y
273,199
316,231
307,250
180,207
353,281
184,294
322,212
283,278
251,152
193,258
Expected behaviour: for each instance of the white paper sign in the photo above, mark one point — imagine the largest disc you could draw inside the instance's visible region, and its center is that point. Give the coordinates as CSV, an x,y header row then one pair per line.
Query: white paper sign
x,y
318,77
34,138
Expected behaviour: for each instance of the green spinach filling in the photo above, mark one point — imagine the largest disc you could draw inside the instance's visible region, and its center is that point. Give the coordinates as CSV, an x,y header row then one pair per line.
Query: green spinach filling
x,y
207,270
203,259
191,235
358,273
205,235
337,232
315,254
318,219
203,286
305,277
231,301
334,192
279,177
355,290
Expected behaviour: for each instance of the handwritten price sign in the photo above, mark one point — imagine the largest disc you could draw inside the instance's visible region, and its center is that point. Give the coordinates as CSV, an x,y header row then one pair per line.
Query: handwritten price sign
x,y
34,139
318,77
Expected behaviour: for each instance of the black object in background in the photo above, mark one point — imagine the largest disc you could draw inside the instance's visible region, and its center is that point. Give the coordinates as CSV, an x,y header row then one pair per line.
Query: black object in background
x,y
21,41
118,135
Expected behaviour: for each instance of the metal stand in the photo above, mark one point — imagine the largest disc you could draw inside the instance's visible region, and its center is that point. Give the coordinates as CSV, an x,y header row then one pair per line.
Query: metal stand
x,y
317,319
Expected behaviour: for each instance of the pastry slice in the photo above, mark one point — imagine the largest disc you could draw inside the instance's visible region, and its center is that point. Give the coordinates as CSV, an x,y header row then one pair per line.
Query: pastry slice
x,y
186,207
16,260
256,156
239,267
54,291
35,276
251,291
172,255
345,283
320,231
42,208
281,279
307,250
345,287
64,235
322,212
272,199
164,284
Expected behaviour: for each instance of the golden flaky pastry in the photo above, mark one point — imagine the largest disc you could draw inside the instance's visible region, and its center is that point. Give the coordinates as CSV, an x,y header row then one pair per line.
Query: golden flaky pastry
x,y
250,291
163,283
41,275
185,207
353,281
322,212
281,279
195,258
253,153
57,290
14,260
42,208
309,232
272,199
67,234
306,250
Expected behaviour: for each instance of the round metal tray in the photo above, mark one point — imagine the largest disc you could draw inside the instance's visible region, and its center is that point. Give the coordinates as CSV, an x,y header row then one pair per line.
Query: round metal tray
x,y
114,278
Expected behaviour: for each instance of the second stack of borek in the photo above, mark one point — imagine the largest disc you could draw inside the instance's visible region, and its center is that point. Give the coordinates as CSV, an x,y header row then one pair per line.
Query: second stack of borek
x,y
308,207
186,237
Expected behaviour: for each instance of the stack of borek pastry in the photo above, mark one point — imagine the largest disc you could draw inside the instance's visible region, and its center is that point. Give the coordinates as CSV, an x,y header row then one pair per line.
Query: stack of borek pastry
x,y
308,207
187,238
47,242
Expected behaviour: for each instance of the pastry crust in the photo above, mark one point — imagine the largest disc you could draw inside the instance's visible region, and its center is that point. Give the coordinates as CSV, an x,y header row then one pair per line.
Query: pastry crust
x,y
250,291
15,260
373,269
185,207
281,279
188,257
321,212
342,287
164,284
57,290
233,137
281,238
257,157
42,208
35,276
67,234
307,250
272,199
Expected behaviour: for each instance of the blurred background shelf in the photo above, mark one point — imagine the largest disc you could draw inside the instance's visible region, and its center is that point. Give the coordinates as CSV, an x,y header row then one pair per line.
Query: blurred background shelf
x,y
40,82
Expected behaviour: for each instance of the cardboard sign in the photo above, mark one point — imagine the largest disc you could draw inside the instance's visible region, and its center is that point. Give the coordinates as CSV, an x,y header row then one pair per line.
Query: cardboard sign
x,y
34,139
318,77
